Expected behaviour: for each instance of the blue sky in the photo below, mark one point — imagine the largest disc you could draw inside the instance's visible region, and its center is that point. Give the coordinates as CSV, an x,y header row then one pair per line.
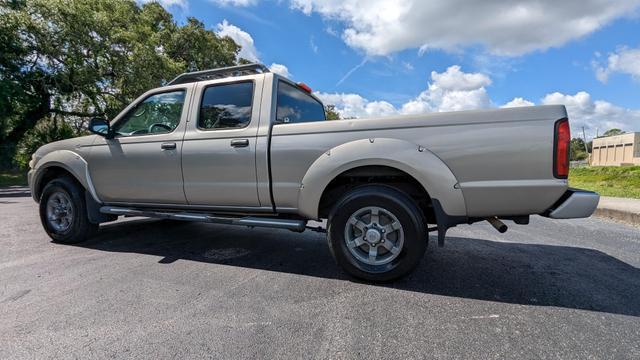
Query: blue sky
x,y
375,57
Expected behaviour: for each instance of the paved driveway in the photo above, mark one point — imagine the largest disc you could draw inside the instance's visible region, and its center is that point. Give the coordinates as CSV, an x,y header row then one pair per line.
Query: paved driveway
x,y
151,289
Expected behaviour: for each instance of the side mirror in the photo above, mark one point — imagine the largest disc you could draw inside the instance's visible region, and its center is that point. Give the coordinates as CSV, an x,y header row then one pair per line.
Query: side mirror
x,y
100,127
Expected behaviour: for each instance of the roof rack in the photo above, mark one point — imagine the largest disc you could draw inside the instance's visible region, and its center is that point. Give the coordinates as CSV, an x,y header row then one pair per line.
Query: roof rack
x,y
248,69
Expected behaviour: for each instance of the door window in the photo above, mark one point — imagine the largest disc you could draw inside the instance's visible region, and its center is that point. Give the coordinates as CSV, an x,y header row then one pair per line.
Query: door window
x,y
157,114
226,106
295,105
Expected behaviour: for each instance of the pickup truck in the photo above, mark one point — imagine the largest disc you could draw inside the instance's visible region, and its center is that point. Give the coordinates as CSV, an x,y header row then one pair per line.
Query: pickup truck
x,y
245,146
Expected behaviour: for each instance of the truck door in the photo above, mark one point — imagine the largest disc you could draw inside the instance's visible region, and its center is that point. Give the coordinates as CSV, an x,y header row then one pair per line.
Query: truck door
x,y
219,149
142,163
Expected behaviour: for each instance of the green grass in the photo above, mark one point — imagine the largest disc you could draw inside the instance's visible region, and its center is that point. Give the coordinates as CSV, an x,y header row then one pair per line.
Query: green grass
x,y
618,181
10,178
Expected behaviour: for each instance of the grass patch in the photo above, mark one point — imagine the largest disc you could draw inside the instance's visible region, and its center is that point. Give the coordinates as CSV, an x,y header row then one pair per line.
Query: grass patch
x,y
11,178
618,181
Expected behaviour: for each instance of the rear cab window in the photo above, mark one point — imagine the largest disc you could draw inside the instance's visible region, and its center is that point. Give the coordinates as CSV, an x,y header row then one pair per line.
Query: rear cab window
x,y
296,106
226,106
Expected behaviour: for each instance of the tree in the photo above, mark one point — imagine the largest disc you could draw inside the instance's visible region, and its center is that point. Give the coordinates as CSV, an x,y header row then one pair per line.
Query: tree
x,y
577,150
75,59
612,132
331,112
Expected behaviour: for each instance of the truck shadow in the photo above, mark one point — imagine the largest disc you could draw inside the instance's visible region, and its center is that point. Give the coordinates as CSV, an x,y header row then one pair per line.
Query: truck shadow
x,y
516,273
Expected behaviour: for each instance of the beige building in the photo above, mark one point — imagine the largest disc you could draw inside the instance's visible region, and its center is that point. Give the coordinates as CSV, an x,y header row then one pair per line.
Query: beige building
x,y
616,150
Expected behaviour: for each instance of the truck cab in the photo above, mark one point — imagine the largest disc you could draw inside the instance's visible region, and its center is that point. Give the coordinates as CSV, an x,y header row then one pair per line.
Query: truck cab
x,y
202,144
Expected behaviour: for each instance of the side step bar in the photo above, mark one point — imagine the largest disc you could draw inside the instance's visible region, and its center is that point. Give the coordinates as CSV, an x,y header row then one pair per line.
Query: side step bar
x,y
293,225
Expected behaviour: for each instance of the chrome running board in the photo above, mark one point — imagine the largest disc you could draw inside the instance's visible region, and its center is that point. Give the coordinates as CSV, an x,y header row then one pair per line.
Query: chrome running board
x,y
252,221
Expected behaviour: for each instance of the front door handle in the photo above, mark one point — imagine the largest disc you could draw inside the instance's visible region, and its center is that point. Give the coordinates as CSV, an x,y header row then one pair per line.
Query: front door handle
x,y
168,146
240,142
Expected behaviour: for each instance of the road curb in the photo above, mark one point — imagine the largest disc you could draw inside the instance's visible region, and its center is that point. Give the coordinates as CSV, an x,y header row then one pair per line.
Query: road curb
x,y
621,215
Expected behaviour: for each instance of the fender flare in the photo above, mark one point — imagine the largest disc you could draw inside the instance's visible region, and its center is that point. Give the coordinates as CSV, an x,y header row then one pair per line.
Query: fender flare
x,y
423,165
69,161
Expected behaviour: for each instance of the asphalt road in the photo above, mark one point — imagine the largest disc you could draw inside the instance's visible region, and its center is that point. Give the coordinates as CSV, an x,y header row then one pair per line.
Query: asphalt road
x,y
152,289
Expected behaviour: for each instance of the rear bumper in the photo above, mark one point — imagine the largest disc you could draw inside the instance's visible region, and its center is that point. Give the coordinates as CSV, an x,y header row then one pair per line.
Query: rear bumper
x,y
575,203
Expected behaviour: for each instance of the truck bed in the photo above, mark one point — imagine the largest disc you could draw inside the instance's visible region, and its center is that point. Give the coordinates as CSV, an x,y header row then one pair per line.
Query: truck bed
x,y
502,158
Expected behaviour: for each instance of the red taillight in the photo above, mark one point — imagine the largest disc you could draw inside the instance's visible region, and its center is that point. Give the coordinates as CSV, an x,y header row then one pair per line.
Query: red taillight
x,y
561,147
305,87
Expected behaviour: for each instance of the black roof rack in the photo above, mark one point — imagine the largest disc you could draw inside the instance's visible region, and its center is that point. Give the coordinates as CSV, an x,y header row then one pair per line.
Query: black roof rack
x,y
248,69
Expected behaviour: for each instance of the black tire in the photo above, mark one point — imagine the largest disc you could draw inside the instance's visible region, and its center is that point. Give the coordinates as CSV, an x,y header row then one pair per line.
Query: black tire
x,y
79,228
394,202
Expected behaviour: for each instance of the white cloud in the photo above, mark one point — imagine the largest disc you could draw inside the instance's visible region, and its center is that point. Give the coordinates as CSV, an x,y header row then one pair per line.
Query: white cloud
x,y
313,45
280,70
584,111
242,38
248,49
423,49
517,102
454,90
354,105
624,61
504,27
242,3
450,90
167,3
454,79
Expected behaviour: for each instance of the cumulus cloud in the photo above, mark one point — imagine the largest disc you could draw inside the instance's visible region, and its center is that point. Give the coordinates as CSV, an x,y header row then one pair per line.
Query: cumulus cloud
x,y
517,102
503,27
624,61
354,105
454,90
280,70
584,111
242,38
248,49
451,90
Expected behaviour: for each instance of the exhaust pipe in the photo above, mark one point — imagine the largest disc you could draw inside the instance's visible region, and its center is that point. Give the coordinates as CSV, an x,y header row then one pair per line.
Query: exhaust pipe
x,y
497,224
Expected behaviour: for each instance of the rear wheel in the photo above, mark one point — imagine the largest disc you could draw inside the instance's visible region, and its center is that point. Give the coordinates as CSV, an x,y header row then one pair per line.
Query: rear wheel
x,y
377,233
63,212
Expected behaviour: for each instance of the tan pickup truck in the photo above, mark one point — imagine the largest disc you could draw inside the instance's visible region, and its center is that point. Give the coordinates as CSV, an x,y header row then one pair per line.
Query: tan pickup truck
x,y
248,147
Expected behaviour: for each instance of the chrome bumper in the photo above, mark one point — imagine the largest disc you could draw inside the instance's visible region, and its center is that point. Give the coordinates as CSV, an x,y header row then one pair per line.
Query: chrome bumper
x,y
575,203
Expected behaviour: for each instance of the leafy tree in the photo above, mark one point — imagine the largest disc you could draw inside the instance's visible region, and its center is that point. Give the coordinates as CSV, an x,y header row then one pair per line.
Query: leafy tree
x,y
577,150
46,131
70,60
612,132
331,112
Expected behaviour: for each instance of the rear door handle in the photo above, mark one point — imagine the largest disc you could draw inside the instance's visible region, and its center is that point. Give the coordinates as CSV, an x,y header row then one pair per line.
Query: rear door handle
x,y
168,146
240,142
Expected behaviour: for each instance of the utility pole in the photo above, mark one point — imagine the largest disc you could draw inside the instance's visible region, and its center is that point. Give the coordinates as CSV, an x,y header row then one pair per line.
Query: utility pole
x,y
586,148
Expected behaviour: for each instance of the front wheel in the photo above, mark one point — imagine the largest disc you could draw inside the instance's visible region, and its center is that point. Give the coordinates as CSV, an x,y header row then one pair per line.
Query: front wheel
x,y
377,233
63,212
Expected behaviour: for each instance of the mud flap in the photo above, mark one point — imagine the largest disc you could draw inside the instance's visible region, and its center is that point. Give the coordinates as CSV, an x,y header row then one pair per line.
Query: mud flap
x,y
93,211
445,221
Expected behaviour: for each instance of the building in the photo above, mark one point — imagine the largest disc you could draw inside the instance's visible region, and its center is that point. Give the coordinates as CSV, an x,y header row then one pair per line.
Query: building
x,y
616,150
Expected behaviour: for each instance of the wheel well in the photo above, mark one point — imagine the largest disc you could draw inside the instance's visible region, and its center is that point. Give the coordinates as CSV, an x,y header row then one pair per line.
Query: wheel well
x,y
50,173
384,175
